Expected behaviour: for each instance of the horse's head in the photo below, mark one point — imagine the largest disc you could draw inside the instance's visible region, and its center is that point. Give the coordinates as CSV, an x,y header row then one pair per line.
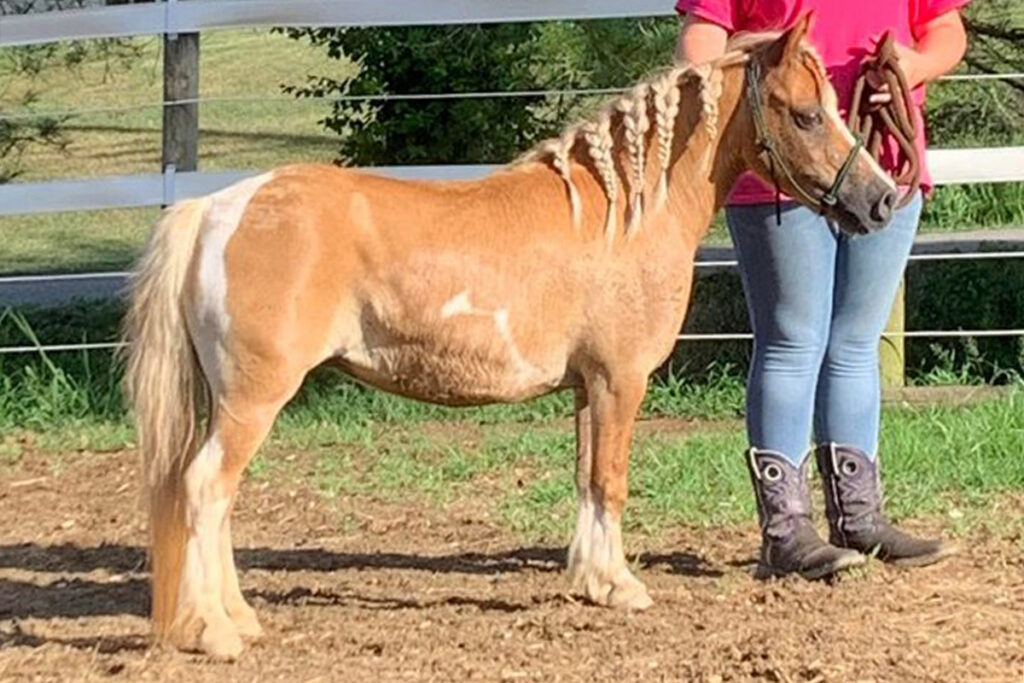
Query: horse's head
x,y
799,141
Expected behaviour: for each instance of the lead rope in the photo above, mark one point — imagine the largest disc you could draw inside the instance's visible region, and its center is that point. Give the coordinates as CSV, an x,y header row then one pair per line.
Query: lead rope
x,y
778,192
871,122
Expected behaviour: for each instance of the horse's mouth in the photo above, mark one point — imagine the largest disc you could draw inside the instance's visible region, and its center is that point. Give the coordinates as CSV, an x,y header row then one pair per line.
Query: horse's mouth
x,y
851,224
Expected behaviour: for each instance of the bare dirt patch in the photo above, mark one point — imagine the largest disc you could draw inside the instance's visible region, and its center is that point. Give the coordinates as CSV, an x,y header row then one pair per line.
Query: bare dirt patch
x,y
365,590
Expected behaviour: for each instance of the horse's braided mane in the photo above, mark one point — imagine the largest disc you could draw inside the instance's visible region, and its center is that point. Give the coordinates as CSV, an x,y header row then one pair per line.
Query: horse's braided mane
x,y
661,92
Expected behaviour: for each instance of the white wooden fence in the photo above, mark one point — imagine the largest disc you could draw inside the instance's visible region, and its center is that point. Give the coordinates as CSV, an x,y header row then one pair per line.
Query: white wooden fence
x,y
190,16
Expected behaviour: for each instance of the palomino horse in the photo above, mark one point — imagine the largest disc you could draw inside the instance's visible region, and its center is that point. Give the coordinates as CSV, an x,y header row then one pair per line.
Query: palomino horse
x,y
570,268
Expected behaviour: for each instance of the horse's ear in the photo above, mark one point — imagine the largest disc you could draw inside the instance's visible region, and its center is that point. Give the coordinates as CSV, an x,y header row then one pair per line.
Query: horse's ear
x,y
788,44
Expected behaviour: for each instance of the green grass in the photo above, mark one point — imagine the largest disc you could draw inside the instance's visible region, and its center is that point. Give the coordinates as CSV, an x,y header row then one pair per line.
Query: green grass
x,y
953,462
70,242
256,134
956,463
955,208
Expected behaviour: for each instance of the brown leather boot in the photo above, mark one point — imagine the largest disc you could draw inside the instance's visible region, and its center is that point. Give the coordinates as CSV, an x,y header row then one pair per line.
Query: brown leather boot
x,y
853,502
789,542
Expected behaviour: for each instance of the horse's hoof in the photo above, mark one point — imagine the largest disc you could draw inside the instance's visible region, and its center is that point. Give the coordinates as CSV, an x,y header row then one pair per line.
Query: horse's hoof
x,y
221,643
245,621
626,592
185,632
631,596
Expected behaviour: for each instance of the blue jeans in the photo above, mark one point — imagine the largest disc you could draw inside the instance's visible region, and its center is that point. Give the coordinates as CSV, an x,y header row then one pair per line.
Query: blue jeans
x,y
818,303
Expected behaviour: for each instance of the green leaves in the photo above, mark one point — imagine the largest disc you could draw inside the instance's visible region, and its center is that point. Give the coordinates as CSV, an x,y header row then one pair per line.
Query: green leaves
x,y
468,59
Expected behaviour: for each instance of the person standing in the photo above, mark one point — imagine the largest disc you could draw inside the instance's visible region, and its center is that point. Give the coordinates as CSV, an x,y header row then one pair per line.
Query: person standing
x,y
818,300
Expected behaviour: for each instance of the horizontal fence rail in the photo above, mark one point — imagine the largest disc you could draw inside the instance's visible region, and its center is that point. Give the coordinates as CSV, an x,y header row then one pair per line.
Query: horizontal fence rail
x,y
949,166
192,16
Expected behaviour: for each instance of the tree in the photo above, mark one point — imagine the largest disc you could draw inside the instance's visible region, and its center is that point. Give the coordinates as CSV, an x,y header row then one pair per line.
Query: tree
x,y
472,58
18,132
984,112
591,54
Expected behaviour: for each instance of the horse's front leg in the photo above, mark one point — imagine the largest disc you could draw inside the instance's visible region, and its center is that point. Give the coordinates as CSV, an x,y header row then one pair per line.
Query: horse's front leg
x,y
605,415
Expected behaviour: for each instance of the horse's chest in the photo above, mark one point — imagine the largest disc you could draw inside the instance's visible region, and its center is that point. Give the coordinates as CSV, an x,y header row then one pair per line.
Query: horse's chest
x,y
648,307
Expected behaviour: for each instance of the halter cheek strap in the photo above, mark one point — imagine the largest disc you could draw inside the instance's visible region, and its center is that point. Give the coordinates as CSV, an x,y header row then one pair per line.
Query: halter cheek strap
x,y
766,145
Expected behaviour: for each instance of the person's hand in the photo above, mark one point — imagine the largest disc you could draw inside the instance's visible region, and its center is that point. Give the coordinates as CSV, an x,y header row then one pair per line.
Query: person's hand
x,y
909,58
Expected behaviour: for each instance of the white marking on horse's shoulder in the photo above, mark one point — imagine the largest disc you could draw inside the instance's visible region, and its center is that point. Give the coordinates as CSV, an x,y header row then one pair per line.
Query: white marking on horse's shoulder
x,y
457,305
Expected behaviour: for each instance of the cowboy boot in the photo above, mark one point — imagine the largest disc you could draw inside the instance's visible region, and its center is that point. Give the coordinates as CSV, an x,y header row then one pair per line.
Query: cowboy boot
x,y
853,502
789,542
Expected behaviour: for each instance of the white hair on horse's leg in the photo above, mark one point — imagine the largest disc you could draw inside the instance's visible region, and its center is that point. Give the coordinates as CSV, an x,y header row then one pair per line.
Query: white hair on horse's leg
x,y
599,139
637,123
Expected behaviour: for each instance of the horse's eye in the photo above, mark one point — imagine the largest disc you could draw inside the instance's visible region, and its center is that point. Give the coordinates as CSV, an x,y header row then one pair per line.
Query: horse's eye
x,y
808,119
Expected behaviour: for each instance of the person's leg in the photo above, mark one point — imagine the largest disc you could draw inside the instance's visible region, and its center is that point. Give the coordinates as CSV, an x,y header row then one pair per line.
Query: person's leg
x,y
868,272
787,275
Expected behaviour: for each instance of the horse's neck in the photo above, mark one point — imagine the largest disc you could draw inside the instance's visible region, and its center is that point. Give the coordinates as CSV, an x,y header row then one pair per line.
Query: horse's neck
x,y
706,165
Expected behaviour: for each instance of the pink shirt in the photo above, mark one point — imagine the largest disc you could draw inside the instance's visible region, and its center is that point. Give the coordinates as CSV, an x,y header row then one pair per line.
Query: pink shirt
x,y
844,33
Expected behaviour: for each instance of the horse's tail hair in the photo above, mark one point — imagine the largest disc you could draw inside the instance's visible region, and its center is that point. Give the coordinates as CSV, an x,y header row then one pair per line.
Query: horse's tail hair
x,y
165,388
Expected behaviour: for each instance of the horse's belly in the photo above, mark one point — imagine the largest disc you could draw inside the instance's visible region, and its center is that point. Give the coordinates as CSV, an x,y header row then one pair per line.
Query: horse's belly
x,y
454,374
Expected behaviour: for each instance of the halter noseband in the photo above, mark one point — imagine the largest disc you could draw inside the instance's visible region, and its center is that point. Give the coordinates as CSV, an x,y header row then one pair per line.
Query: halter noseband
x,y
766,145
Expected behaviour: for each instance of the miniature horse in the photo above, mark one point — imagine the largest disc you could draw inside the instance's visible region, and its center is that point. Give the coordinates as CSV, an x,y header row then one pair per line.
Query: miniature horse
x,y
568,269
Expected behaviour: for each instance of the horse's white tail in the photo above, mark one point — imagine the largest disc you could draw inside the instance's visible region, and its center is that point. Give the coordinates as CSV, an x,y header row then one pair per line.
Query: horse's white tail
x,y
165,386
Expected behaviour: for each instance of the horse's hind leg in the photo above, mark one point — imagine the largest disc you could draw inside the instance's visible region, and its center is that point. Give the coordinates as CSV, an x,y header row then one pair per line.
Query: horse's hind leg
x,y
240,612
212,614
605,417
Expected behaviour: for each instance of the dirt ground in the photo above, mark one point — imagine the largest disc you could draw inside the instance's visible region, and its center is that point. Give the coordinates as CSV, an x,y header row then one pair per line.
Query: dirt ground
x,y
410,592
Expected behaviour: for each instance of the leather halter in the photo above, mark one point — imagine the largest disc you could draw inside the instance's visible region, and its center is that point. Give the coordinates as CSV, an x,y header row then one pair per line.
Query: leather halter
x,y
767,145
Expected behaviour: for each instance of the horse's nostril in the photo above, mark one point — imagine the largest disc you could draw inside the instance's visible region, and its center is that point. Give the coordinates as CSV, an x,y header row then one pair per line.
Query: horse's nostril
x,y
882,210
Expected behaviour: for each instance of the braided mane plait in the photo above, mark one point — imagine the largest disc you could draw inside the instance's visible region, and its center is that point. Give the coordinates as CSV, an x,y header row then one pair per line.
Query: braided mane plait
x,y
636,122
667,94
598,135
710,93
653,103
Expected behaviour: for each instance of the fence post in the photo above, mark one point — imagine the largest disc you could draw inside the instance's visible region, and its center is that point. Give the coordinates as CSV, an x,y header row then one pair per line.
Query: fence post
x,y
181,121
892,350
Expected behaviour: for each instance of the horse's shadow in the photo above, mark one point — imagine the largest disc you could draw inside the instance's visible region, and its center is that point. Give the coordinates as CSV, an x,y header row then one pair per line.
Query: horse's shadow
x,y
125,591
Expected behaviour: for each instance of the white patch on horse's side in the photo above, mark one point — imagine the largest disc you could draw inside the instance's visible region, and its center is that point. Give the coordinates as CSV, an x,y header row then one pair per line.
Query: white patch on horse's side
x,y
501,323
457,305
223,214
460,304
205,508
